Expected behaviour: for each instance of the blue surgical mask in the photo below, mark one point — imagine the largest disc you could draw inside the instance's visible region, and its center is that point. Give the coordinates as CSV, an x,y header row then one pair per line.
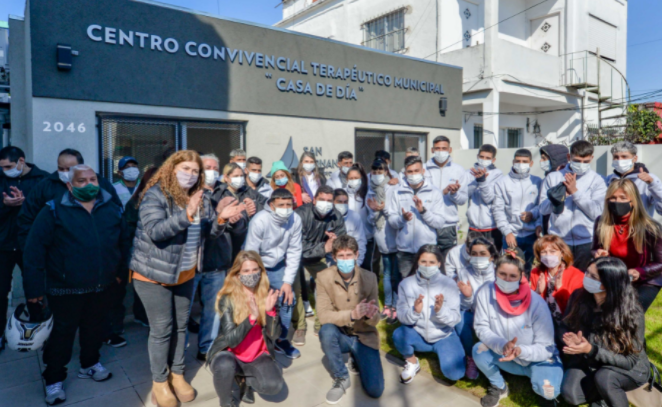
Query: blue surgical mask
x,y
281,182
346,266
591,285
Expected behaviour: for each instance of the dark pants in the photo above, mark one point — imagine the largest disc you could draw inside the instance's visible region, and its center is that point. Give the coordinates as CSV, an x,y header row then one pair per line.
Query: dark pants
x,y
582,255
167,311
494,235
372,258
116,311
405,262
647,294
262,375
138,308
581,386
446,240
73,312
8,260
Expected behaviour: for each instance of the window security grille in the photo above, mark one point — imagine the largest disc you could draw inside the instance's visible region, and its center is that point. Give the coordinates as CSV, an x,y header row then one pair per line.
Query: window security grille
x,y
386,33
367,142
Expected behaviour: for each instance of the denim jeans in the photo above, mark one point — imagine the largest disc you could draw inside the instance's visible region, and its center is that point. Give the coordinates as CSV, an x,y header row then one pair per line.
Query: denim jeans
x,y
465,330
210,283
335,343
276,275
392,279
449,350
542,374
299,312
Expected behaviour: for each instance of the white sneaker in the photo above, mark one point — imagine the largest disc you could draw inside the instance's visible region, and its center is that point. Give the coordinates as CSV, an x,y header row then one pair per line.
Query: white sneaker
x,y
98,373
55,394
309,309
410,371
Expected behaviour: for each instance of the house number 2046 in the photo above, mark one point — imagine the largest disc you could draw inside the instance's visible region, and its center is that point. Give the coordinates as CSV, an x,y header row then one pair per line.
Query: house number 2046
x,y
59,127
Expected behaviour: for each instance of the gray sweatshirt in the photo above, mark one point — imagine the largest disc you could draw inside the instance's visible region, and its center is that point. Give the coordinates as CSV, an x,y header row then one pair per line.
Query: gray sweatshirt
x,y
441,177
514,194
481,200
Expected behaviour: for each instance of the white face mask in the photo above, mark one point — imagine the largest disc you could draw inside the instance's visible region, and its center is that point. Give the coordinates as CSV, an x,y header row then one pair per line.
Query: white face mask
x,y
484,163
592,286
415,179
441,156
427,271
64,176
242,165
344,170
545,165
283,213
507,287
14,172
255,177
550,260
211,176
480,263
186,180
377,179
323,207
580,168
342,208
131,174
622,166
237,182
354,183
522,168
309,167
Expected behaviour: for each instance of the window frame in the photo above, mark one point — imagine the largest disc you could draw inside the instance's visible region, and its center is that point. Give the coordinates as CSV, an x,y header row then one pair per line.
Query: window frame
x,y
389,141
399,16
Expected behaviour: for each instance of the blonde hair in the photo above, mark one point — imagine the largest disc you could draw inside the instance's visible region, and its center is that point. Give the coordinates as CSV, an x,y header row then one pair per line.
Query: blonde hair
x,y
234,289
290,184
639,224
167,178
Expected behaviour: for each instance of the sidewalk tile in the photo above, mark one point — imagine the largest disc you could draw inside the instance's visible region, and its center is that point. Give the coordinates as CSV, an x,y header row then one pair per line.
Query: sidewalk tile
x,y
83,389
26,395
19,372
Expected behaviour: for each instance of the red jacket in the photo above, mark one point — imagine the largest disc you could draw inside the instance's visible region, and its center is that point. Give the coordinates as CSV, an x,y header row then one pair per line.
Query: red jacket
x,y
572,279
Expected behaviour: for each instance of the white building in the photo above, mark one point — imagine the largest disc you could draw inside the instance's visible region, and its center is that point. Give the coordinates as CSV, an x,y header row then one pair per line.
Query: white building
x,y
530,66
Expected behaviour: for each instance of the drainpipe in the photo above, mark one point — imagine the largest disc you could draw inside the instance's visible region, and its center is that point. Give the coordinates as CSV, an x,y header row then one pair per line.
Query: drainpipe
x,y
436,44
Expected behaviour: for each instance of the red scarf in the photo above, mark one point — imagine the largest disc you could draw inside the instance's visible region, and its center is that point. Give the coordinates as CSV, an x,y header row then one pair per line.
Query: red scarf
x,y
523,294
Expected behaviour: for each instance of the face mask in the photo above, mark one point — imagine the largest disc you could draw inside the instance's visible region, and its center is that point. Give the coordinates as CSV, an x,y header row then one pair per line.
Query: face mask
x,y
507,287
427,271
86,193
354,183
323,207
283,213
592,286
480,263
580,168
484,163
64,176
309,167
250,280
281,182
545,165
522,168
210,177
344,170
619,209
415,179
342,208
255,177
242,165
237,182
131,174
346,266
622,166
14,172
550,260
186,180
441,156
377,179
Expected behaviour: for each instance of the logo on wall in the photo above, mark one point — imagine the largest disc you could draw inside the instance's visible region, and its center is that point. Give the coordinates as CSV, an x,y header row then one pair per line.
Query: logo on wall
x,y
291,160
289,157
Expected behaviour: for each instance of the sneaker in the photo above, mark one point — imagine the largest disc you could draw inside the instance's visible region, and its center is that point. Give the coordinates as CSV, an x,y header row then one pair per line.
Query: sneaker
x,y
394,317
98,373
352,366
55,394
201,356
193,326
386,313
340,386
141,322
309,309
410,371
493,396
472,370
116,341
299,338
285,348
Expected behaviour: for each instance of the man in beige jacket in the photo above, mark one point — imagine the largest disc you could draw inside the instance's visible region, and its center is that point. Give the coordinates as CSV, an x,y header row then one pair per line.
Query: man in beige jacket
x,y
347,306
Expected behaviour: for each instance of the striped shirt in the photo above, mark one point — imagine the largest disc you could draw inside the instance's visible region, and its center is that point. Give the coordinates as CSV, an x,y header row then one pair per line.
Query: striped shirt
x,y
190,257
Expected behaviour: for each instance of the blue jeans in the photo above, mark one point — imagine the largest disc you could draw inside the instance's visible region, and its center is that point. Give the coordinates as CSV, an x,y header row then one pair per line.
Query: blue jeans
x,y
465,330
335,343
276,275
549,372
392,279
210,283
449,350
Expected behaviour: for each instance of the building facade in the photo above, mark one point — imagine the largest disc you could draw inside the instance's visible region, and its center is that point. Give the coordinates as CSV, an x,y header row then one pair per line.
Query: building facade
x,y
531,69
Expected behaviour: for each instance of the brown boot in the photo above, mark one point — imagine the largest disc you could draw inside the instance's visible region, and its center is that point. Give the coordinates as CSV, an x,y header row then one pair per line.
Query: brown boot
x,y
183,390
162,395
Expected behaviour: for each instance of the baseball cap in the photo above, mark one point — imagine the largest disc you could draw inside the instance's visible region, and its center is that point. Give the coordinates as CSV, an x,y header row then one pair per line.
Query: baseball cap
x,y
125,160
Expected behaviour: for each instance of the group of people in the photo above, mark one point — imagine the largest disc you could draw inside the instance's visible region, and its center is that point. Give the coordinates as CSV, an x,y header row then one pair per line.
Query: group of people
x,y
552,281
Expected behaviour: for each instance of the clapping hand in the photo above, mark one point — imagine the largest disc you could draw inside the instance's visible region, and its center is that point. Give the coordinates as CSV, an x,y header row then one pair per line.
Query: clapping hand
x,y
407,215
438,302
272,299
16,198
377,207
418,304
364,308
465,288
194,204
479,172
419,204
510,351
230,210
576,344
570,183
452,188
250,206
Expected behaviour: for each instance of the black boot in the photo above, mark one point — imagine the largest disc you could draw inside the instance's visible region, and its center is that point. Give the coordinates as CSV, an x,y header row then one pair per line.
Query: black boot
x,y
248,396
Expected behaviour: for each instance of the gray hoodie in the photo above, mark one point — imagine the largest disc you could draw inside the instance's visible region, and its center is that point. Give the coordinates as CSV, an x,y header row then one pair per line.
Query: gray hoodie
x,y
441,177
481,200
459,268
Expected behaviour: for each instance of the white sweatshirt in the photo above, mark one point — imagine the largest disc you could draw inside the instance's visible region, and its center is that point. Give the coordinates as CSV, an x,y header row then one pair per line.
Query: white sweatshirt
x,y
514,194
355,204
481,200
441,177
386,237
334,180
458,267
354,228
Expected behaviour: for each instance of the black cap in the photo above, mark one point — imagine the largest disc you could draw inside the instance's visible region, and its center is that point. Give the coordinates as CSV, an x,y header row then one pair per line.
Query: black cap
x,y
556,196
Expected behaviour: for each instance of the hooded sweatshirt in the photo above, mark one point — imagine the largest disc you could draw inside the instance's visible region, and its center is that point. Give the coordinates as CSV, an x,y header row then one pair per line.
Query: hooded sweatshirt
x,y
432,326
481,199
575,224
458,263
533,329
651,194
385,238
441,177
354,228
363,210
276,240
422,229
514,194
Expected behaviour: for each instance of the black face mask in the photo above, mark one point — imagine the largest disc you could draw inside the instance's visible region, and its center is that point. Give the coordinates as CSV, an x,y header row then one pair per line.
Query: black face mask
x,y
619,209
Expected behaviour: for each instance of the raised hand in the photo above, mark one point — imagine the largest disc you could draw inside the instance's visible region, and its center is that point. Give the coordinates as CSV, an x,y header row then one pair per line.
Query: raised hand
x,y
250,206
328,246
232,210
479,172
418,304
644,176
194,204
438,302
223,203
407,215
419,204
465,288
570,183
393,181
272,299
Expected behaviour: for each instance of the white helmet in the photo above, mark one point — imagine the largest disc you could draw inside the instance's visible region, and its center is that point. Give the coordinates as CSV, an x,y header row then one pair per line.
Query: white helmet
x,y
24,335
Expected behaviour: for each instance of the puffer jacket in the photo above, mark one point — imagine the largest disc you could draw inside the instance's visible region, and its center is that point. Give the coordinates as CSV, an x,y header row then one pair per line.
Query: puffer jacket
x,y
422,229
441,177
161,235
230,335
386,237
430,325
515,194
651,194
458,267
313,228
481,200
575,224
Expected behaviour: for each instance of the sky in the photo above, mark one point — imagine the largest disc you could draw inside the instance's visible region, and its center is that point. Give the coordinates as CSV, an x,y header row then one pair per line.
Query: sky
x,y
644,63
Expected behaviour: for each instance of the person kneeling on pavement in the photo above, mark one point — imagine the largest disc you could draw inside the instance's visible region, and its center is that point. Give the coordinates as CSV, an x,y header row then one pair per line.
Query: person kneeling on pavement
x,y
76,249
347,298
244,348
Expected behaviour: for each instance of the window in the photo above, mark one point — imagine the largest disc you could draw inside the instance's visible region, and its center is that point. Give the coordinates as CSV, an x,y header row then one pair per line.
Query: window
x,y
478,136
510,138
369,141
386,33
152,141
602,35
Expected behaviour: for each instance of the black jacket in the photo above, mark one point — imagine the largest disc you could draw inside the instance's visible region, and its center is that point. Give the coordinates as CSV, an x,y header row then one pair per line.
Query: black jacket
x,y
230,335
219,253
9,214
73,251
50,188
313,230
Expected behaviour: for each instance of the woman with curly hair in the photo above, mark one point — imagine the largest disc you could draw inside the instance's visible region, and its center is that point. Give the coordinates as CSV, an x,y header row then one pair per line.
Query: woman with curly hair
x,y
281,178
175,217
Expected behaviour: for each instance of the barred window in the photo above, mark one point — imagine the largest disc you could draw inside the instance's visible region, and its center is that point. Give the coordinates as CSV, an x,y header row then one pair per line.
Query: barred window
x,y
386,33
367,142
478,136
511,138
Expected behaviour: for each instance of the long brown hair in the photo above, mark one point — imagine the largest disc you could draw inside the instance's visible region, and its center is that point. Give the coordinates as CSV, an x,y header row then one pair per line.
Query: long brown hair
x,y
167,178
302,173
639,224
235,289
290,183
540,244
